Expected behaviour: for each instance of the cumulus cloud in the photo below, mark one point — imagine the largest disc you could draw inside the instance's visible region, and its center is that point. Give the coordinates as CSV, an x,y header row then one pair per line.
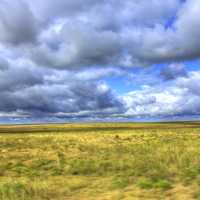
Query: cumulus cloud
x,y
55,55
41,93
181,97
176,43
74,34
38,92
79,46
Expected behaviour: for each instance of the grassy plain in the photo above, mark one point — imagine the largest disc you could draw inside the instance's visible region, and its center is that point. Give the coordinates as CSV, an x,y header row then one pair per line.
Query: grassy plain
x,y
102,161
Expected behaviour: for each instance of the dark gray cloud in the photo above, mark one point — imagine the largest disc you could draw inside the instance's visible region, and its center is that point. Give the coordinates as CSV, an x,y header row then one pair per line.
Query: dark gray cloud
x,y
37,92
79,46
48,10
102,12
173,71
3,64
20,74
17,23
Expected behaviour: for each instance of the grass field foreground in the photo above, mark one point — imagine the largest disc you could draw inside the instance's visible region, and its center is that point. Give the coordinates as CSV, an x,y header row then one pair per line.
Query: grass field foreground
x,y
101,161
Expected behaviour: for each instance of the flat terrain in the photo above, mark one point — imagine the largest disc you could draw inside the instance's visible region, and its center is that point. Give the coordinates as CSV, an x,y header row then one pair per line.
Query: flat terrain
x,y
102,161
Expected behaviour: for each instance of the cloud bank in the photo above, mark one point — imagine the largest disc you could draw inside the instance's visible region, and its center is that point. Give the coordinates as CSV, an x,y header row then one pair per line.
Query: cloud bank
x,y
55,57
179,98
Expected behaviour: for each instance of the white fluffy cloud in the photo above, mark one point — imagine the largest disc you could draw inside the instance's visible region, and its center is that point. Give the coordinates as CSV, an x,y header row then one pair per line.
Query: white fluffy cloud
x,y
180,97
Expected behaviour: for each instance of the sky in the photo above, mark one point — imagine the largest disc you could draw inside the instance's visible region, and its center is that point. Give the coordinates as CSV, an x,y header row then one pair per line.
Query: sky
x,y
99,60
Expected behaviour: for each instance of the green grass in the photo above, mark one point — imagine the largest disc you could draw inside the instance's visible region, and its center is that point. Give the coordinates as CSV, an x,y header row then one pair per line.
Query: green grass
x,y
100,161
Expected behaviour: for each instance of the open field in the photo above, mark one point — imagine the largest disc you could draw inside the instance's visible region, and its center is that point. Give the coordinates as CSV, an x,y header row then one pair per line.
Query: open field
x,y
105,161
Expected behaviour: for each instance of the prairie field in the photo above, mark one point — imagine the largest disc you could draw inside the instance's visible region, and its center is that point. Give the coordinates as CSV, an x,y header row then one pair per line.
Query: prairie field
x,y
100,161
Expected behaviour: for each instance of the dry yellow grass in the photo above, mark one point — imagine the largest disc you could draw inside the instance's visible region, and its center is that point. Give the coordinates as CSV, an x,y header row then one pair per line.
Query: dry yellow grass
x,y
102,161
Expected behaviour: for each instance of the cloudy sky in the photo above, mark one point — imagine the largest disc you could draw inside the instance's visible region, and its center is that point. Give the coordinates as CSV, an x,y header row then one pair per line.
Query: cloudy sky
x,y
99,60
